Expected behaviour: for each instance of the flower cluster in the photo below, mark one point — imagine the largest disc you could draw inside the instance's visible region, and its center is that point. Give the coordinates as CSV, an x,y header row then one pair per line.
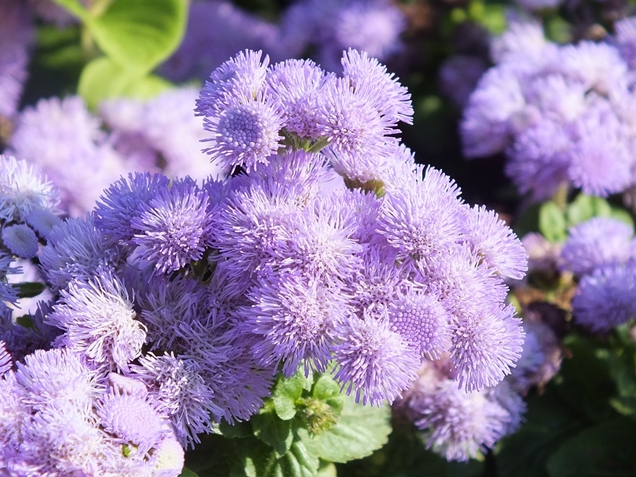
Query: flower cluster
x,y
601,254
561,113
328,249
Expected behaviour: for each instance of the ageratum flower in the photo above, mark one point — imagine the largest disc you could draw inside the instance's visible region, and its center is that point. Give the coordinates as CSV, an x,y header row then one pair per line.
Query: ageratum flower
x,y
172,228
99,321
6,361
606,297
595,243
21,240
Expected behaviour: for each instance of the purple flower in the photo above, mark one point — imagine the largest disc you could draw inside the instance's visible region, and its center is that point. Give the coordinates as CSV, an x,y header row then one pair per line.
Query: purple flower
x,y
131,419
606,298
295,320
244,133
122,202
485,346
595,243
458,75
6,361
21,240
23,190
625,37
178,389
75,250
372,361
422,321
172,228
240,79
491,239
371,80
98,320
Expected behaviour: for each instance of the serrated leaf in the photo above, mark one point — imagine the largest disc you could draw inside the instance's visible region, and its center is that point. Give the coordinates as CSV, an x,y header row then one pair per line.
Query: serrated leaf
x,y
73,6
608,449
102,79
139,34
285,394
360,431
552,223
273,431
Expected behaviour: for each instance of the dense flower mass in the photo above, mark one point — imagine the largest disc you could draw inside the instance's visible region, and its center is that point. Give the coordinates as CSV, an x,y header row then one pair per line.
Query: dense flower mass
x,y
561,113
328,249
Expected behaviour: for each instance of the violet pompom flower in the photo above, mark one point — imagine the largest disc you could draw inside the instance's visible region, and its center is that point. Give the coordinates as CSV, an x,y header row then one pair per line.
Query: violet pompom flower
x,y
76,249
372,361
21,240
595,243
606,297
180,392
173,227
99,321
23,190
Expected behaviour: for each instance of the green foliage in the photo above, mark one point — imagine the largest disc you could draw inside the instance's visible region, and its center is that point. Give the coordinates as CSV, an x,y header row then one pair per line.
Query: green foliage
x,y
29,289
300,431
102,79
552,222
139,34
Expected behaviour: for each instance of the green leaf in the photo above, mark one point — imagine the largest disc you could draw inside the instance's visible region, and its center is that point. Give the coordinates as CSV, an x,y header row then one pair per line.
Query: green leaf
x,y
187,473
29,289
139,34
286,392
552,223
584,207
273,431
260,460
236,430
327,469
73,6
608,449
103,79
360,431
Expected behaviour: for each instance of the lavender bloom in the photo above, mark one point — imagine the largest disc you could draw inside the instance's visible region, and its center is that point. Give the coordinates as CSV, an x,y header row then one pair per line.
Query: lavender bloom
x,y
170,458
20,240
244,134
173,227
65,140
458,75
625,37
490,238
6,362
178,388
98,320
131,419
373,361
595,243
122,202
544,104
76,249
296,319
605,298
16,34
23,190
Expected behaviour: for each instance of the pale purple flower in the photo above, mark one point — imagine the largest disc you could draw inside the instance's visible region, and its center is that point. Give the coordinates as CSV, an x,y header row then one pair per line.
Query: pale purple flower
x,y
373,362
244,134
457,424
130,419
76,249
6,361
595,243
21,240
23,190
606,298
491,239
179,391
625,37
295,320
458,75
122,202
172,228
99,321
